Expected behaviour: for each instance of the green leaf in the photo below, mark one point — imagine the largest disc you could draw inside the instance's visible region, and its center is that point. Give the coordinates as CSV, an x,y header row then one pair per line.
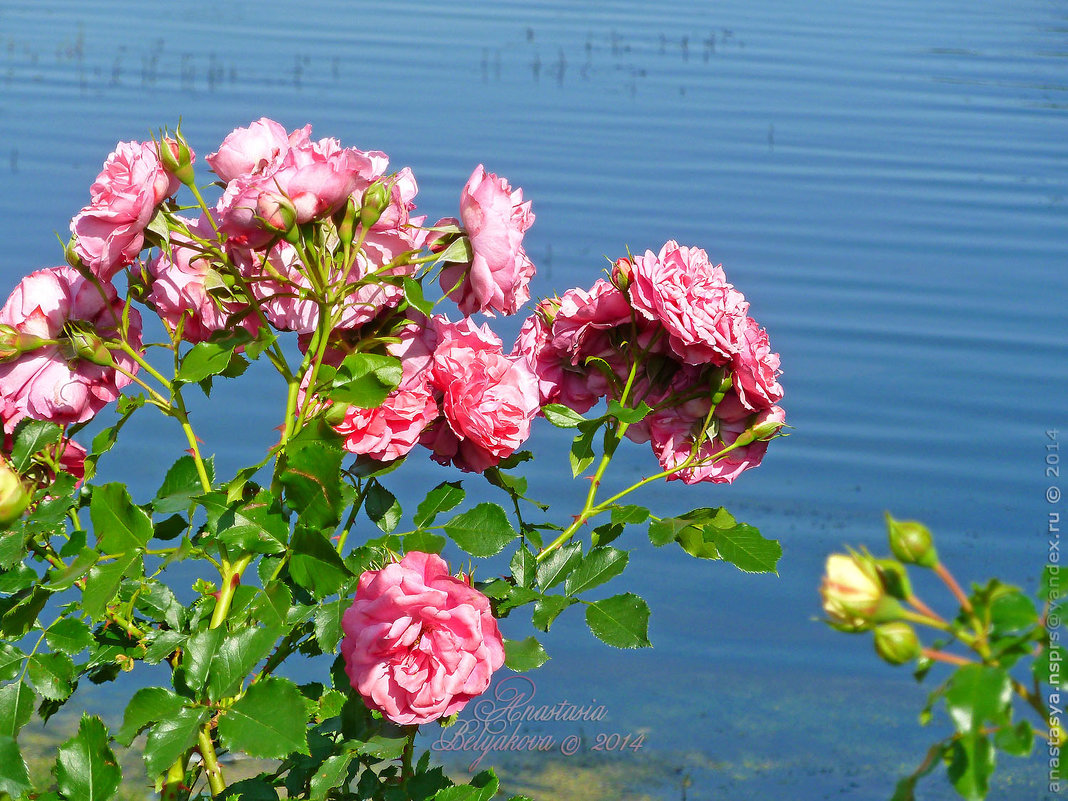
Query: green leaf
x,y
562,416
597,567
315,565
52,675
61,580
423,541
254,789
382,507
524,567
413,293
483,787
104,579
234,659
626,414
978,693
256,526
69,636
120,526
445,496
14,777
10,661
16,707
86,768
171,737
971,762
327,621
558,565
1016,740
365,379
523,655
30,438
606,533
12,547
312,478
205,359
331,774
481,531
180,486
629,513
162,644
200,650
547,609
269,722
621,621
1012,613
745,548
581,454
148,705
381,747
23,609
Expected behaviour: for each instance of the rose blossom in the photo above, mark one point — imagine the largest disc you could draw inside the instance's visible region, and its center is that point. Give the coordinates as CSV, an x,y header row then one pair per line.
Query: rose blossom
x,y
488,399
180,281
756,368
419,643
495,219
702,314
109,232
673,431
391,430
53,382
250,150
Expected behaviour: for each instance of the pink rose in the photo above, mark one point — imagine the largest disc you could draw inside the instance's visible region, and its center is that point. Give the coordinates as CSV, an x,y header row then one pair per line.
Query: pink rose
x,y
756,369
181,279
673,431
488,399
495,219
584,315
251,150
391,430
109,232
419,643
55,382
702,314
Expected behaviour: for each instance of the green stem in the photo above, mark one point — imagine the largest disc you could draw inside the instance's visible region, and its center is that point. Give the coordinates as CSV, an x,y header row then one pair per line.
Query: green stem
x,y
406,756
231,578
211,760
203,205
941,625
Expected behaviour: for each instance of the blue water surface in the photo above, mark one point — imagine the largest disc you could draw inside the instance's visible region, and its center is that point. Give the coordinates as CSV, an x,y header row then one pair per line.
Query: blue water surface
x,y
885,181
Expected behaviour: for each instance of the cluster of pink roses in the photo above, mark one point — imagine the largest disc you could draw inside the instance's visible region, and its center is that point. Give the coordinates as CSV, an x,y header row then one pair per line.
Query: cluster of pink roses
x,y
702,365
317,239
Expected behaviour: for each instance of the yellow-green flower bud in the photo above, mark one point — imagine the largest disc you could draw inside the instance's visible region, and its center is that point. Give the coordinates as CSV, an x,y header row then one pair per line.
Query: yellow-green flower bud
x,y
14,497
375,202
911,542
896,642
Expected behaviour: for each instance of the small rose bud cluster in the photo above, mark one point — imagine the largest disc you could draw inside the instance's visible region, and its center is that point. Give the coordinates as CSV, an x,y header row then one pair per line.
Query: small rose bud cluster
x,y
672,333
863,593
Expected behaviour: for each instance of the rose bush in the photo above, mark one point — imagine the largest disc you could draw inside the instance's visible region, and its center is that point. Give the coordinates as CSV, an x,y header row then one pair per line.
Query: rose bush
x,y
313,259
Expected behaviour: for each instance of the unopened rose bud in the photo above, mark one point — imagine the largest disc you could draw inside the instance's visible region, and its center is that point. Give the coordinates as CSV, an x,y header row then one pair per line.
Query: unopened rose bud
x,y
621,274
70,255
13,343
177,158
853,594
14,497
763,430
894,578
911,542
346,222
547,310
375,202
896,642
276,212
87,346
335,413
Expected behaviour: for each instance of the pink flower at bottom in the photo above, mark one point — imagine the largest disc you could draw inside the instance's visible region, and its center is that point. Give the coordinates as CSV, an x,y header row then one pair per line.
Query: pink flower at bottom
x,y
419,643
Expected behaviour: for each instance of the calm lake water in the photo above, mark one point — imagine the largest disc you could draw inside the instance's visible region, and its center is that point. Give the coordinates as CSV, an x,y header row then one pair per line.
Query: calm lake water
x,y
885,181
